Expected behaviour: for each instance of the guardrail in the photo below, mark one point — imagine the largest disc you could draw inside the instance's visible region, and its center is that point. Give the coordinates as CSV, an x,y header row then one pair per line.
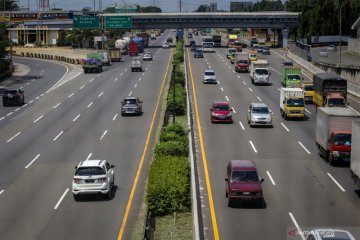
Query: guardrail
x,y
50,57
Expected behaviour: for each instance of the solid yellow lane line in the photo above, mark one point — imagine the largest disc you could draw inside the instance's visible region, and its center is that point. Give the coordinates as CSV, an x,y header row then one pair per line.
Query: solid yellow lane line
x,y
207,178
128,206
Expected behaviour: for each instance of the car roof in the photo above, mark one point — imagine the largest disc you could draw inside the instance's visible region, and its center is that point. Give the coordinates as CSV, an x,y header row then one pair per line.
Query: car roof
x,y
258,104
325,231
220,103
130,98
92,163
242,164
208,70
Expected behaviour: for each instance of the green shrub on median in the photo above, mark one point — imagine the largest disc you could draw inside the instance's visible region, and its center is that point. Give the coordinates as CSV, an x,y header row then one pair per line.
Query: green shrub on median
x,y
180,100
169,185
173,132
172,148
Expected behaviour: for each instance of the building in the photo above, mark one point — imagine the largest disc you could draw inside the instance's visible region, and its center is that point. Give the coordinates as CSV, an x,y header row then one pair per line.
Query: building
x,y
240,6
213,7
44,5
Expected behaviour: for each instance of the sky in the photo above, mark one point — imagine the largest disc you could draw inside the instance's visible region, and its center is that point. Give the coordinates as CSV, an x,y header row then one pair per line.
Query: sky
x,y
165,5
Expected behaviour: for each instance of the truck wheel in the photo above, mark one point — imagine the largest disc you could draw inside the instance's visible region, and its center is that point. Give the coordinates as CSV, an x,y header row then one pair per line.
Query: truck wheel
x,y
229,204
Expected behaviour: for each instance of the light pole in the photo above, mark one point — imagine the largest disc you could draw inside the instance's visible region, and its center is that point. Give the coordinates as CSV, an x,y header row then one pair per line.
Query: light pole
x,y
340,30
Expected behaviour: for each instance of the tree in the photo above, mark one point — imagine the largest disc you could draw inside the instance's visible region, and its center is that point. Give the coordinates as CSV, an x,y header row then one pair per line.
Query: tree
x,y
201,8
82,36
7,5
148,9
268,6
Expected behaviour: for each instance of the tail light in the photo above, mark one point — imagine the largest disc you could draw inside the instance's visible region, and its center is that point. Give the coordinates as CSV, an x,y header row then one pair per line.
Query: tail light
x,y
77,180
101,180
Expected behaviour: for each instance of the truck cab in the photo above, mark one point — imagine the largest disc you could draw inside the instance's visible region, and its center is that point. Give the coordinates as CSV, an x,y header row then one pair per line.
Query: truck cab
x,y
308,88
340,146
259,72
290,77
335,100
292,103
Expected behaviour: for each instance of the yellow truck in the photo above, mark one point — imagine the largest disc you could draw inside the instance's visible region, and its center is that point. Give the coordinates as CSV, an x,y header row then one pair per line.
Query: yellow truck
x,y
232,39
308,88
330,90
292,103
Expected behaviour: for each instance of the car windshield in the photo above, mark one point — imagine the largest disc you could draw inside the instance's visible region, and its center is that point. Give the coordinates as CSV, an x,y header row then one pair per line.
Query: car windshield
x,y
221,107
244,176
261,71
288,64
231,51
237,43
198,51
292,77
295,102
130,101
333,102
308,88
260,110
342,139
207,45
89,171
209,73
14,92
244,61
253,55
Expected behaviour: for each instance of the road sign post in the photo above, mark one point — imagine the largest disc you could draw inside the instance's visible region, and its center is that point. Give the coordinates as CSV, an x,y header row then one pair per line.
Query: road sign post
x,y
112,22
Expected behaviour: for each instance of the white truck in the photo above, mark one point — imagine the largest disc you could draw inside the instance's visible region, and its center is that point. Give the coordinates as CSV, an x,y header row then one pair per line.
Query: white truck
x,y
292,103
333,133
355,152
259,72
122,44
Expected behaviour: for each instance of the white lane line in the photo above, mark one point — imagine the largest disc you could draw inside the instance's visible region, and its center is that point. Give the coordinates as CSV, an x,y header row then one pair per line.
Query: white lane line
x,y
38,118
285,127
27,84
233,110
130,94
25,105
238,76
146,69
222,89
308,111
42,95
115,117
2,191
9,114
2,118
233,70
37,97
71,95
99,75
31,101
82,87
244,82
135,85
88,157
242,126
227,98
100,94
252,145
61,198
91,80
250,90
139,79
90,104
32,161
304,148
12,138
56,105
218,82
103,135
271,179
297,226
259,99
76,118
336,182
17,109
278,89
58,136
143,74
115,80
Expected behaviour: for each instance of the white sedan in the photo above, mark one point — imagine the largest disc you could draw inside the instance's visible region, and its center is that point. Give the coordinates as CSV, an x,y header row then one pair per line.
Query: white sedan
x,y
165,45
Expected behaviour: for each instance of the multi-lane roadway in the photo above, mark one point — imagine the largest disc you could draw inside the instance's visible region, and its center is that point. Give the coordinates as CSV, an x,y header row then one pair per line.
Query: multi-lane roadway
x,y
301,190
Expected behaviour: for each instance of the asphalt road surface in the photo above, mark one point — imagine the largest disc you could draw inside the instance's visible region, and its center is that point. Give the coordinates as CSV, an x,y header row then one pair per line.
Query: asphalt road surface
x,y
78,119
301,190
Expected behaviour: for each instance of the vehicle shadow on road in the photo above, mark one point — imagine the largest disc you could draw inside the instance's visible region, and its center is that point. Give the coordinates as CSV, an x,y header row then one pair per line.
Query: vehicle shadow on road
x,y
249,205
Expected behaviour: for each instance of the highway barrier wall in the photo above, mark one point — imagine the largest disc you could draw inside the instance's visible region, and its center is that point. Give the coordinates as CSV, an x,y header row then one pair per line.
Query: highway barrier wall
x,y
69,60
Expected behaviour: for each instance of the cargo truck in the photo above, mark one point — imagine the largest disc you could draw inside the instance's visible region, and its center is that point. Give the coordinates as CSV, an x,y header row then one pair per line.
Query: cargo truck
x,y
238,46
330,90
133,49
292,103
355,152
115,54
217,40
136,64
232,39
308,88
140,43
92,63
290,76
259,72
122,44
242,62
333,133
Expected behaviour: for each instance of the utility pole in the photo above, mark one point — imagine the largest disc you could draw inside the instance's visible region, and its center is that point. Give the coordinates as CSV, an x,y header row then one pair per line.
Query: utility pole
x,y
340,30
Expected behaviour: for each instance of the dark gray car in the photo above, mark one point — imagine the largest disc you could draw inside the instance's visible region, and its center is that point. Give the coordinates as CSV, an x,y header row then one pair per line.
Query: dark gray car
x,y
131,106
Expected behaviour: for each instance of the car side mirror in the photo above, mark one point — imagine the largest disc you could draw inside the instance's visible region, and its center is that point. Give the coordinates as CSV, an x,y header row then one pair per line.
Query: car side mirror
x,y
226,179
210,110
75,167
231,110
269,73
302,79
284,102
122,102
140,101
262,180
248,111
112,166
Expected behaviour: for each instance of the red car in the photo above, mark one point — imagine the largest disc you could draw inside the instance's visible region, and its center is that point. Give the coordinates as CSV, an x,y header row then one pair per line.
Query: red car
x,y
243,182
221,112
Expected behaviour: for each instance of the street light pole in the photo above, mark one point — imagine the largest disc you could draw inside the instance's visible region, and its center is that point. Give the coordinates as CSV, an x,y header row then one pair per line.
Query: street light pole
x,y
340,30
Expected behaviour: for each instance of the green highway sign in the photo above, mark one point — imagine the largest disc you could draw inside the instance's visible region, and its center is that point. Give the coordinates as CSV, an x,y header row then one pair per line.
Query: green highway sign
x,y
118,22
86,22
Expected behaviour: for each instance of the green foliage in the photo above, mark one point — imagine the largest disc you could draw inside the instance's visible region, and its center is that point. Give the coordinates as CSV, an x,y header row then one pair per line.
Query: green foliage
x,y
82,36
172,148
265,5
148,9
180,100
179,76
8,5
169,185
173,132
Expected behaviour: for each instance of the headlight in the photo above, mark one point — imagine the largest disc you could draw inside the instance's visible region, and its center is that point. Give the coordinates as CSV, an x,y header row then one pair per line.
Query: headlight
x,y
336,154
229,114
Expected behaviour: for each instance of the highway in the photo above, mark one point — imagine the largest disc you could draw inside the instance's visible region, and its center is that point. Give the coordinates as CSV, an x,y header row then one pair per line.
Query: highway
x,y
63,122
301,190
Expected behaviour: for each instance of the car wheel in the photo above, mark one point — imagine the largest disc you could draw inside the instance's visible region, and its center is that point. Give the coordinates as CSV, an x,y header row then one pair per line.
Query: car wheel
x,y
76,197
229,203
226,194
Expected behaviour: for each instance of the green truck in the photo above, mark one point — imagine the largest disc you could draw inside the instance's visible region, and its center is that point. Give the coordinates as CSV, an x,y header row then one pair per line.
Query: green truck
x,y
92,63
290,76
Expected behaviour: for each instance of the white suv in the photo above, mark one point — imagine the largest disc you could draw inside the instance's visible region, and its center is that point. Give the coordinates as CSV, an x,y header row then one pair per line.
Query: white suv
x,y
209,76
93,177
